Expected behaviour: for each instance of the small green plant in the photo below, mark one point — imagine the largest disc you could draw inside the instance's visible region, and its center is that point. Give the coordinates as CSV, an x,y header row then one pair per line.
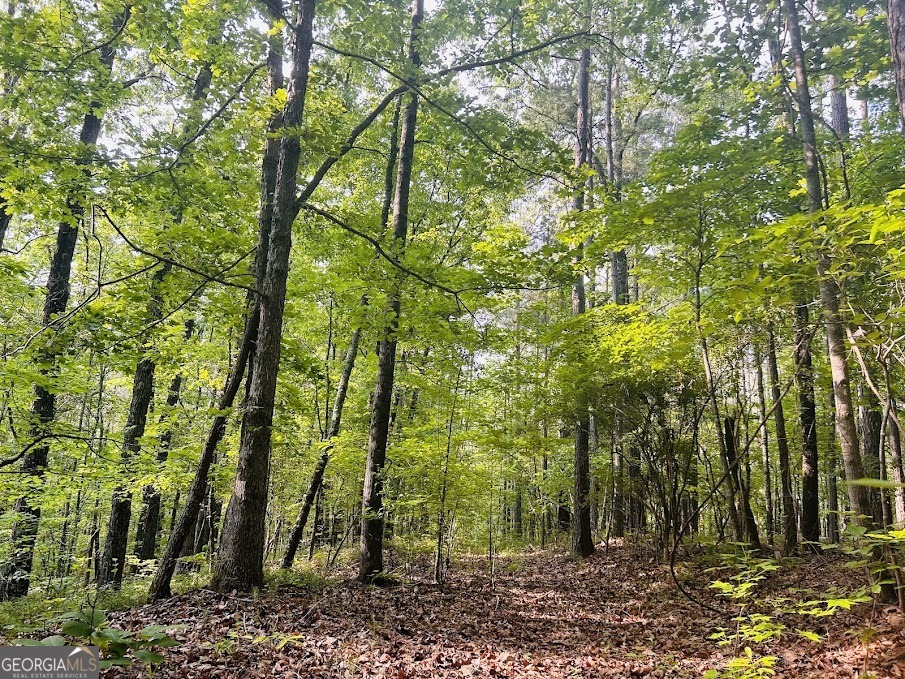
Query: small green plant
x,y
746,666
752,627
91,627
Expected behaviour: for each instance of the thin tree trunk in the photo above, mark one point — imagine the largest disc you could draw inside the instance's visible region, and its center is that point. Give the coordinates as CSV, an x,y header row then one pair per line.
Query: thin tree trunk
x,y
298,529
160,585
895,453
871,423
765,445
807,420
582,540
372,517
832,521
895,20
747,513
789,522
839,109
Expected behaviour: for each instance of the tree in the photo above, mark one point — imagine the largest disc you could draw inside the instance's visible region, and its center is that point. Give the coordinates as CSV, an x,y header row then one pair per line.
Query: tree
x,y
372,519
240,564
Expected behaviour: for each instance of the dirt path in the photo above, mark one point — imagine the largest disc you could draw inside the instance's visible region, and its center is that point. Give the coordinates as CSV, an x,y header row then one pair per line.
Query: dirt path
x,y
615,615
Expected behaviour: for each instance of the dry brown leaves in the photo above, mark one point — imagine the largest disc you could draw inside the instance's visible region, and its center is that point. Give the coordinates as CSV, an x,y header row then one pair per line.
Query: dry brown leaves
x,y
543,616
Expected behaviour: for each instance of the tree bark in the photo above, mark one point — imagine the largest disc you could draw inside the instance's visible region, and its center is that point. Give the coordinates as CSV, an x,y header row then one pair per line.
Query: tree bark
x,y
895,20
829,294
839,109
372,516
807,419
870,424
898,475
765,445
240,565
751,532
17,576
185,524
790,524
582,540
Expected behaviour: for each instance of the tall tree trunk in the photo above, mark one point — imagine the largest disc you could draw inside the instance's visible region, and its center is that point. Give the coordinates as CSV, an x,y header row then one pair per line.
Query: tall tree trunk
x,y
185,523
765,445
789,522
160,585
298,529
829,294
710,384
113,559
372,517
295,537
17,576
807,420
895,20
582,540
241,562
832,463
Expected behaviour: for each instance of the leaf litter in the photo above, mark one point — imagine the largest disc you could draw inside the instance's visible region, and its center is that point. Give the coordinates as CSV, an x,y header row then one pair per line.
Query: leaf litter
x,y
542,615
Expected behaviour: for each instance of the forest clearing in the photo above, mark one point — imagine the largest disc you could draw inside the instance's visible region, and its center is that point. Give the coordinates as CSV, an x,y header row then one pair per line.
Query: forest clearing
x,y
453,338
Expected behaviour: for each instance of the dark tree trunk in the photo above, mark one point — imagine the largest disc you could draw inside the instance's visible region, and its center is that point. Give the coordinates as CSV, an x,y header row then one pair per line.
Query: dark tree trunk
x,y
618,489
113,560
751,532
582,540
898,474
789,522
184,526
241,562
895,20
829,294
17,576
5,219
298,529
807,419
160,585
765,446
870,424
372,517
839,109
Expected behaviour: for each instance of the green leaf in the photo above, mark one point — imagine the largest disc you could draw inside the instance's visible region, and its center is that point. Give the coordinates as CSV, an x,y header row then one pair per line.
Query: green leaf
x,y
148,656
77,628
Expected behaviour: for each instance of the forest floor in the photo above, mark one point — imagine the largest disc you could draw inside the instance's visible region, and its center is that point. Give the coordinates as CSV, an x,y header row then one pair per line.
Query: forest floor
x,y
616,614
